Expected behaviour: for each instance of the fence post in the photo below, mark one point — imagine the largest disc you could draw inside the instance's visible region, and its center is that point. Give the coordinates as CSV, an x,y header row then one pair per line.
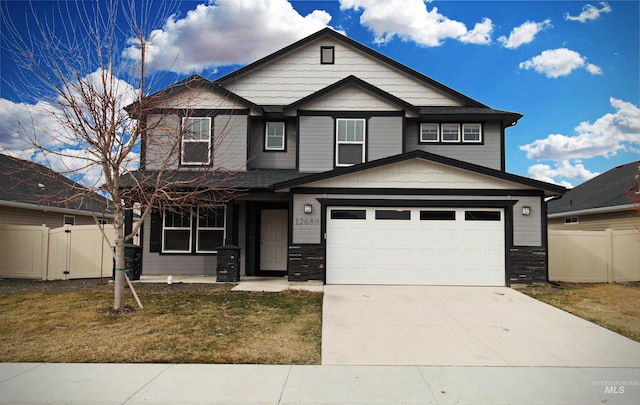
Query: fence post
x,y
609,247
44,251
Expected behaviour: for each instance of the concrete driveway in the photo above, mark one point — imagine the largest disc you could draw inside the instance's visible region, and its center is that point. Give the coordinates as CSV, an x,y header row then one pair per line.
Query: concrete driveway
x,y
461,326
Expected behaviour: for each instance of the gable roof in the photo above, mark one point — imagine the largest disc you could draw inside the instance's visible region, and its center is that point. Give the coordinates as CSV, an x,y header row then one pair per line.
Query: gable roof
x,y
328,32
193,82
352,80
549,189
606,192
25,184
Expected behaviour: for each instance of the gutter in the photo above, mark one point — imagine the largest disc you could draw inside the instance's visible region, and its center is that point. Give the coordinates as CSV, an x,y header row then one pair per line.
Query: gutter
x,y
600,210
46,208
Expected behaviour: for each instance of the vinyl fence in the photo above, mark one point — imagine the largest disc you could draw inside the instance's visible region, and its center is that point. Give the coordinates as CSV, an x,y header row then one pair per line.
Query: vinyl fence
x,y
70,252
594,256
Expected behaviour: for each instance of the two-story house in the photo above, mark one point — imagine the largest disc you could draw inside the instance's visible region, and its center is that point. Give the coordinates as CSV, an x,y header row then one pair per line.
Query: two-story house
x,y
355,169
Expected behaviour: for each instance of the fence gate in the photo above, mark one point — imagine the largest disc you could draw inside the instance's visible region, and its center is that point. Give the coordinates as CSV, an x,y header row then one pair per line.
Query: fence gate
x,y
79,251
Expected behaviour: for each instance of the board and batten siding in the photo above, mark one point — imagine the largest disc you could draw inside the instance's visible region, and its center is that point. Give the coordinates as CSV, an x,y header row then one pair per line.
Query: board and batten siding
x,y
230,142
384,137
162,143
262,159
174,264
300,73
306,227
316,144
527,230
487,154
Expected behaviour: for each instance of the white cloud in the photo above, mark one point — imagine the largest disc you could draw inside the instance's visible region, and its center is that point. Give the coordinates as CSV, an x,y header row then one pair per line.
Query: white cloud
x,y
226,32
589,12
559,62
609,134
28,131
564,169
410,20
524,34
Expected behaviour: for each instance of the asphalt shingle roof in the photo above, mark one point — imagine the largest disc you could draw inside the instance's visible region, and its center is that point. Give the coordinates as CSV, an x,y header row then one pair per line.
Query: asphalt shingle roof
x,y
26,182
610,189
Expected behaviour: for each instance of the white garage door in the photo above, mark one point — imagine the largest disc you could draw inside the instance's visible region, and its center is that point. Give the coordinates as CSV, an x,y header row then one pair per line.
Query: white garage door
x,y
423,246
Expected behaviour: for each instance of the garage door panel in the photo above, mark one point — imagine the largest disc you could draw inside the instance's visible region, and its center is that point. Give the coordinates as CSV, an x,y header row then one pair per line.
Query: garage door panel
x,y
416,251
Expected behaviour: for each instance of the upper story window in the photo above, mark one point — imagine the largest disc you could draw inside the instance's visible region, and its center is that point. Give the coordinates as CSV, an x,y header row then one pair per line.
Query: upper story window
x,y
327,55
471,133
196,141
350,141
450,133
274,136
430,133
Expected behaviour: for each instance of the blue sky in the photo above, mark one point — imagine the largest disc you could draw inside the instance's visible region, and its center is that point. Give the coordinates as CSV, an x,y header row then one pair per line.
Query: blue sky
x,y
572,68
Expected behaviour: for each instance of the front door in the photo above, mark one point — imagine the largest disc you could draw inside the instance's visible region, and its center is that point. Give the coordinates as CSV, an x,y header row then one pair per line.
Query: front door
x,y
273,240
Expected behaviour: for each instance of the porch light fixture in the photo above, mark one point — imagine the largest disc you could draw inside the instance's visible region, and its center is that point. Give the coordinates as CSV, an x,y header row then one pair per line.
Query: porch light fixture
x,y
308,208
526,210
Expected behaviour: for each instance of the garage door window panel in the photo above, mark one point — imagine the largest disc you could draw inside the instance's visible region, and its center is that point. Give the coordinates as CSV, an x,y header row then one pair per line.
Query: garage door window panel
x,y
348,214
393,214
482,216
437,215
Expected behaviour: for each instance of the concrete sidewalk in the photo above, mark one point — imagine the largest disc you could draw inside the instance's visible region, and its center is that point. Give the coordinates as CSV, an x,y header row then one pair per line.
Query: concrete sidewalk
x,y
35,383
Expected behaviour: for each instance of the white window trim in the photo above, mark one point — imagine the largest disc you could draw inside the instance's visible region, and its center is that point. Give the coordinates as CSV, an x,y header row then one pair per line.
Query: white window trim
x,y
183,141
570,220
71,217
175,228
198,228
479,140
338,142
457,140
266,136
437,140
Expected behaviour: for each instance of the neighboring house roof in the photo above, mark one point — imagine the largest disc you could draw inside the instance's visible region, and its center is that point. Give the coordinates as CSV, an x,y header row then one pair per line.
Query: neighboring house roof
x,y
232,77
550,189
25,184
607,192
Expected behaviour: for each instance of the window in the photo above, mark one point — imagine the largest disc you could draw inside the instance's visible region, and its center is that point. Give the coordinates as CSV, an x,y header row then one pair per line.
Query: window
x,y
348,214
471,133
274,136
327,55
571,220
393,214
350,141
437,215
176,232
450,132
196,141
210,229
429,133
199,230
482,215
69,220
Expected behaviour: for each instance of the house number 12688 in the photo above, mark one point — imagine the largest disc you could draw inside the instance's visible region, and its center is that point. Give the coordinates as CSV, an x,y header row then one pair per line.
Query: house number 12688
x,y
307,221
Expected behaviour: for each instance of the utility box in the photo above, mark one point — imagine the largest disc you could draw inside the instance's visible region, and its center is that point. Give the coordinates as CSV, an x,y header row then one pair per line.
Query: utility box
x,y
228,264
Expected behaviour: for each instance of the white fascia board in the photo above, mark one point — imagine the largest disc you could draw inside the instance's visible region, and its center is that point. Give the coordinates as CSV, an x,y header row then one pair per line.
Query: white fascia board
x,y
47,208
601,210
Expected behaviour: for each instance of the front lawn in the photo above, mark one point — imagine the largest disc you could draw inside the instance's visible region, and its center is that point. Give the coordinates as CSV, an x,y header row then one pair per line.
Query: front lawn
x,y
184,325
613,306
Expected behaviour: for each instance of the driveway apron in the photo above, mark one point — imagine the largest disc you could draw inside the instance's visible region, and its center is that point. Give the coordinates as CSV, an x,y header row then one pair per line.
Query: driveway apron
x,y
461,326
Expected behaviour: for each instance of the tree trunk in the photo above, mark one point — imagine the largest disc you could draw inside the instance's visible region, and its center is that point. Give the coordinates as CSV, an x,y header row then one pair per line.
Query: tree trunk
x,y
120,281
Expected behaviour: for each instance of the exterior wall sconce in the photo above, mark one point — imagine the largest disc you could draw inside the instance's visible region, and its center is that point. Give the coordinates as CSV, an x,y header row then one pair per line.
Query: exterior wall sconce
x,y
526,210
308,208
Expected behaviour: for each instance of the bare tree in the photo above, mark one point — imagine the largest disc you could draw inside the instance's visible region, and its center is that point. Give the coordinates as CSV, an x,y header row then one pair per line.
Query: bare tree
x,y
98,109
